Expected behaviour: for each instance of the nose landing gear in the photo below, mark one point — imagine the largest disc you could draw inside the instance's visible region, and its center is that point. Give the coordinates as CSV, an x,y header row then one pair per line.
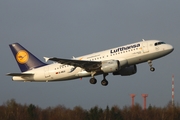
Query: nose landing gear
x,y
151,67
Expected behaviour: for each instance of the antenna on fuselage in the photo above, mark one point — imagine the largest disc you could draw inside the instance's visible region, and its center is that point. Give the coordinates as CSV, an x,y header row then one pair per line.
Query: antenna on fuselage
x,y
143,40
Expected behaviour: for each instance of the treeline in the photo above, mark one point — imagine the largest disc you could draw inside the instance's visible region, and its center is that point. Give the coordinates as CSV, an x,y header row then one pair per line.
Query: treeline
x,y
14,111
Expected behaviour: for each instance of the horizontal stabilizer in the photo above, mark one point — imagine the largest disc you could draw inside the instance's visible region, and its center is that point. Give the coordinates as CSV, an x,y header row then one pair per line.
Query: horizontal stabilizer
x,y
20,74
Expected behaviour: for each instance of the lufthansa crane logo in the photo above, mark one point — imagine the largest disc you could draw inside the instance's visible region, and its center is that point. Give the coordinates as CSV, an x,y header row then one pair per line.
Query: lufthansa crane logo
x,y
22,56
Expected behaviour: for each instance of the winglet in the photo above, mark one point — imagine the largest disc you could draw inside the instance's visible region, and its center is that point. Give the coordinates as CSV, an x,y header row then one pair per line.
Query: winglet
x,y
46,59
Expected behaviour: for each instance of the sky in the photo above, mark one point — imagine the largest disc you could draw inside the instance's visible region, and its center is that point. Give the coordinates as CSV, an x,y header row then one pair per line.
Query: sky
x,y
66,28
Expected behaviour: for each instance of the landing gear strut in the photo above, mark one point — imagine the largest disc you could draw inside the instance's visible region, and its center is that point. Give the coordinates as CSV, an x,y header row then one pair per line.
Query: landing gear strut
x,y
150,64
104,82
93,80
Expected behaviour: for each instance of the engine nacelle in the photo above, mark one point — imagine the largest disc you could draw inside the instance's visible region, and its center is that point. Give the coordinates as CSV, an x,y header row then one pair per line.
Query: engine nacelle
x,y
110,66
130,70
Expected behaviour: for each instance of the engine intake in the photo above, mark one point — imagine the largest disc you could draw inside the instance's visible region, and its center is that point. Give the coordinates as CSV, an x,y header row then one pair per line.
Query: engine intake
x,y
130,70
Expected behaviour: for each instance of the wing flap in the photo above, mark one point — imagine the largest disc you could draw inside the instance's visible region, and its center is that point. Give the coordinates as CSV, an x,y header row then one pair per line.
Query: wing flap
x,y
87,65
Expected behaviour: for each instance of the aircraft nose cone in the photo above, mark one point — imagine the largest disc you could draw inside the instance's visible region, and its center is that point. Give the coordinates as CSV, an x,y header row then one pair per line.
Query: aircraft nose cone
x,y
171,48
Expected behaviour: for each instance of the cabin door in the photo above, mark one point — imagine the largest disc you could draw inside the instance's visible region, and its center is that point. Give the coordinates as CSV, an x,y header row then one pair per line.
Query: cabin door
x,y
145,47
46,72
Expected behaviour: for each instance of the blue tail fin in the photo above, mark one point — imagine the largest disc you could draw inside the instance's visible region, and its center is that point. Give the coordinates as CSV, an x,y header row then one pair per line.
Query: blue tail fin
x,y
24,58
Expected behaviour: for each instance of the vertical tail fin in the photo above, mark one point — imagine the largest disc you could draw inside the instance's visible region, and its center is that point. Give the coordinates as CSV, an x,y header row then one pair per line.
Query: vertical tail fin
x,y
24,58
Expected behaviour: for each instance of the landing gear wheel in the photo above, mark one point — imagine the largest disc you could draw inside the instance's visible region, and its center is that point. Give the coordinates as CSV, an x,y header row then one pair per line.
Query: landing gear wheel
x,y
152,69
104,82
93,81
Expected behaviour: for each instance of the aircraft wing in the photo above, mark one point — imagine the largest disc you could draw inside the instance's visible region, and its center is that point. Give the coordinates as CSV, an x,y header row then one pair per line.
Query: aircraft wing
x,y
87,65
20,74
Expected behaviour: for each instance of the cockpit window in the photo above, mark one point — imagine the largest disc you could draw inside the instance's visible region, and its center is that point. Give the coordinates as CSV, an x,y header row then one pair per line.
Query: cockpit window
x,y
159,43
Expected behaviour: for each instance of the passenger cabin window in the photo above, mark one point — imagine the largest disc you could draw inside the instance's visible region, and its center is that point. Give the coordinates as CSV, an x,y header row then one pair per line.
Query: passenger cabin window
x,y
159,43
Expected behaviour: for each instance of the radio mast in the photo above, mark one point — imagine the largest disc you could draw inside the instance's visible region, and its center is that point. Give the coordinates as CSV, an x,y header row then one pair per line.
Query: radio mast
x,y
172,90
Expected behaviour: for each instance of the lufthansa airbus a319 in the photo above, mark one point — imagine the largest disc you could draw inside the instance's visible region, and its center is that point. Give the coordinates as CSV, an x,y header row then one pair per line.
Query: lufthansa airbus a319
x,y
121,60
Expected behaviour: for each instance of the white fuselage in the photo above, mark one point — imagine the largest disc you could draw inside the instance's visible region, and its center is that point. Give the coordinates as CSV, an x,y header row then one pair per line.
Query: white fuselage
x,y
134,53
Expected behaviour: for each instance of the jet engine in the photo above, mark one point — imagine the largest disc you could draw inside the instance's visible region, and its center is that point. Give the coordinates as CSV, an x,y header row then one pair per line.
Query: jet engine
x,y
126,71
110,66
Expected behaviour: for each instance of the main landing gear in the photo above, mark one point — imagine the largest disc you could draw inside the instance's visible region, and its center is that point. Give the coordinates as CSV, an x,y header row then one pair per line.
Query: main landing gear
x,y
104,82
93,80
150,64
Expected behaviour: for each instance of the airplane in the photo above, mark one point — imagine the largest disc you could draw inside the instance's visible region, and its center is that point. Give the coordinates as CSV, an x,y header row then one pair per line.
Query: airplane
x,y
120,60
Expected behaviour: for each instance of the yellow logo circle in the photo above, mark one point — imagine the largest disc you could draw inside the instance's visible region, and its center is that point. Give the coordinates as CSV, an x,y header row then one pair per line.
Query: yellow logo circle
x,y
22,56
